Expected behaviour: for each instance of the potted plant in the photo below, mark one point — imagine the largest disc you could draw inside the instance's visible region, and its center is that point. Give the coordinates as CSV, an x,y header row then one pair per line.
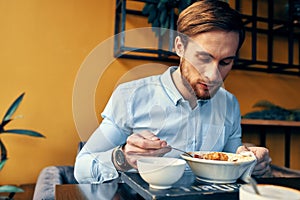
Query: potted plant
x,y
164,13
7,119
271,111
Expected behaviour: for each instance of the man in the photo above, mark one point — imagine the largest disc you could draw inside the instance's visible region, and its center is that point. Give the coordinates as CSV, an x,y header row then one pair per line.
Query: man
x,y
185,107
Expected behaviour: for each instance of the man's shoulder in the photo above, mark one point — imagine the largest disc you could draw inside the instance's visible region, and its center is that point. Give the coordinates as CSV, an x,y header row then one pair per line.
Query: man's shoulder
x,y
228,94
139,87
152,81
146,81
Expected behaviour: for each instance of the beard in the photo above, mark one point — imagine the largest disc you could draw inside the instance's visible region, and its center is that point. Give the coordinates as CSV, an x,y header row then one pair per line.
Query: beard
x,y
196,83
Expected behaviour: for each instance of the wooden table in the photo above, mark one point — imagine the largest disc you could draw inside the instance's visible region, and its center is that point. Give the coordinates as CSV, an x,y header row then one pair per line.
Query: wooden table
x,y
109,191
263,125
121,191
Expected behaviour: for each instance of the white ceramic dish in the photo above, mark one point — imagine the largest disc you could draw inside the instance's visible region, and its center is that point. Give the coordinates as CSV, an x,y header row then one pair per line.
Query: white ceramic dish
x,y
161,172
216,171
268,192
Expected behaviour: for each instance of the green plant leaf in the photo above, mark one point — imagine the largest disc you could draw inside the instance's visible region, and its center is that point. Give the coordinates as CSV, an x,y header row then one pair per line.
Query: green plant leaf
x,y
2,163
183,4
13,108
265,104
24,132
148,8
3,151
10,188
3,124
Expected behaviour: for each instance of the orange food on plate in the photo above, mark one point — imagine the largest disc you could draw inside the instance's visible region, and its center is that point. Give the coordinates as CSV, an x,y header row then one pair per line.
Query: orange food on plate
x,y
213,156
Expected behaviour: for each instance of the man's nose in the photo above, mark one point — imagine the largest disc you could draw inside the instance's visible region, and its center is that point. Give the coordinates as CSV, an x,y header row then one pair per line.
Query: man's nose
x,y
212,73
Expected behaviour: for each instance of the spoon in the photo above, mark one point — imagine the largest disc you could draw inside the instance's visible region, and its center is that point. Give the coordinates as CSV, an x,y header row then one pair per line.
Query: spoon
x,y
253,183
186,153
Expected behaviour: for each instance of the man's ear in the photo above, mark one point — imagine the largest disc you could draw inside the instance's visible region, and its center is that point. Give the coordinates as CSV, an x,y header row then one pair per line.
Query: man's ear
x,y
179,47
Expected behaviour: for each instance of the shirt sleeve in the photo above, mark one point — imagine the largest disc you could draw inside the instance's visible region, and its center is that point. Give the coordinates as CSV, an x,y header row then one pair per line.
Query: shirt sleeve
x,y
94,167
93,163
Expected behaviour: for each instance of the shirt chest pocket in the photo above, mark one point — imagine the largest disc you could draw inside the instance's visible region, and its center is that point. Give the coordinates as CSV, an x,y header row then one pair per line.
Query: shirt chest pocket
x,y
213,137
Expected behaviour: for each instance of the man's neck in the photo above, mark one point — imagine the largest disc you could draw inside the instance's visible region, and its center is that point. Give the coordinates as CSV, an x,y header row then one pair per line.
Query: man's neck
x,y
184,88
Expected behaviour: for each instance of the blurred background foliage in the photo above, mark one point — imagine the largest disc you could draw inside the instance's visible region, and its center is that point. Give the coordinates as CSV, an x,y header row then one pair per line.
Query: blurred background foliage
x,y
270,111
3,130
161,12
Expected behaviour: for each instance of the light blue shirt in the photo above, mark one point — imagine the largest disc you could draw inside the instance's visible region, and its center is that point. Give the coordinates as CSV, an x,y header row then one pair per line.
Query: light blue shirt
x,y
155,104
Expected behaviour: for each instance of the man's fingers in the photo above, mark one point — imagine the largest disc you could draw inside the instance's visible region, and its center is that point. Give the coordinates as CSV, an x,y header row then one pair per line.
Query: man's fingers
x,y
260,171
242,148
144,144
148,135
146,140
261,165
263,159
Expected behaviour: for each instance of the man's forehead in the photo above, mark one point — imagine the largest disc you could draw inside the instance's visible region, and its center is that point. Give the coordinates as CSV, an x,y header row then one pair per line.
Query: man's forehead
x,y
223,46
195,45
194,48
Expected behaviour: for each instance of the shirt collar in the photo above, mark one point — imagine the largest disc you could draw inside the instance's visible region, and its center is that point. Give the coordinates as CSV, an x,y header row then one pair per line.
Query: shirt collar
x,y
169,86
202,102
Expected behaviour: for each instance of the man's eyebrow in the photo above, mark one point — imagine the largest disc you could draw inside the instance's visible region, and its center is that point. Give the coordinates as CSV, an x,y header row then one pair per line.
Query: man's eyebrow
x,y
204,53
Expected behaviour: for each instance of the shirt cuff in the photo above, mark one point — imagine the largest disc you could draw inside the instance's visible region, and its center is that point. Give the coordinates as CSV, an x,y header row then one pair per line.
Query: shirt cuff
x,y
102,168
95,168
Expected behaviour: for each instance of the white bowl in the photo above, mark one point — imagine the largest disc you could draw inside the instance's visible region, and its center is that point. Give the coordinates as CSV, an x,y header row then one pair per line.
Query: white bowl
x,y
216,171
161,172
268,192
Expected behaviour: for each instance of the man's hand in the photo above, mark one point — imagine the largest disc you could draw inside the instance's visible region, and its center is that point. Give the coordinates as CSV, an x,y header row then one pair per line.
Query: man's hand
x,y
143,144
263,159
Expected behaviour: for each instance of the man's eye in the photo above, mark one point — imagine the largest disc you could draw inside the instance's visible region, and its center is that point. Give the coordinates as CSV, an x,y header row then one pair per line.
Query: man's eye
x,y
225,62
204,59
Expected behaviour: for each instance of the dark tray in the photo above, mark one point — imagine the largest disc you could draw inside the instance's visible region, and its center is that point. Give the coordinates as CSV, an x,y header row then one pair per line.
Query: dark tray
x,y
188,187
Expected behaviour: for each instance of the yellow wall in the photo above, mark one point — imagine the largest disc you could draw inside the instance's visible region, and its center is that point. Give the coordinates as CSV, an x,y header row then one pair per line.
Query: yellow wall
x,y
42,46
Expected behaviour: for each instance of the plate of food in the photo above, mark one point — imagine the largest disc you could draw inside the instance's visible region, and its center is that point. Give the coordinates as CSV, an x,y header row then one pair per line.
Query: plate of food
x,y
220,167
